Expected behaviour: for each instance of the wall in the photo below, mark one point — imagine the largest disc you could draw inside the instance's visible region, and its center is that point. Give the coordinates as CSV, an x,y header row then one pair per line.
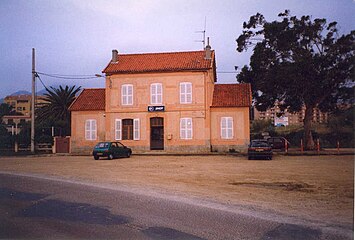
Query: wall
x,y
198,110
241,129
78,143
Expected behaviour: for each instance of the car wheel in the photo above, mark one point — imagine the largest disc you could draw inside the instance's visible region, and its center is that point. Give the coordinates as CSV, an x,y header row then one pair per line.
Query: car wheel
x,y
110,156
96,157
128,154
250,158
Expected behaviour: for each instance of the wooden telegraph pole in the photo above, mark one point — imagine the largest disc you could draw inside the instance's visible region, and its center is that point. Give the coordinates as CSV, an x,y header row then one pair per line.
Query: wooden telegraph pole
x,y
33,103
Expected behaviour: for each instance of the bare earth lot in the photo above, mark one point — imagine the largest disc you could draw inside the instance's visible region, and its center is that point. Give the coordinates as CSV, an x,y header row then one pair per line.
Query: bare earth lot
x,y
317,189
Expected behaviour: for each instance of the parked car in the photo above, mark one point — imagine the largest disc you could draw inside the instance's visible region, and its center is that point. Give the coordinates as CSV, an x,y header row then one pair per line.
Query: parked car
x,y
259,148
111,150
278,143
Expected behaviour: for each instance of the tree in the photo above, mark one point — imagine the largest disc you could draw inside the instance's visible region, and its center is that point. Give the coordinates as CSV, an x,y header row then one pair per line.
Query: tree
x,y
54,111
298,63
6,109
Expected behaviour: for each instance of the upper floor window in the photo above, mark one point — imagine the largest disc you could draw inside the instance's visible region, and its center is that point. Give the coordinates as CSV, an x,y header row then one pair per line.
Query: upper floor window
x,y
185,128
90,129
127,94
226,127
156,93
185,92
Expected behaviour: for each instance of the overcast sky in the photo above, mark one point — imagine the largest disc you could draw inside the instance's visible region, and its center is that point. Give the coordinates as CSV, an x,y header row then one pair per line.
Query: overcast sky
x,y
76,37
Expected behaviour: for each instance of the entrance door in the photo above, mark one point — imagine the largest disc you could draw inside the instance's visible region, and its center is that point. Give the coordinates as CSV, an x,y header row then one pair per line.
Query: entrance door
x,y
157,133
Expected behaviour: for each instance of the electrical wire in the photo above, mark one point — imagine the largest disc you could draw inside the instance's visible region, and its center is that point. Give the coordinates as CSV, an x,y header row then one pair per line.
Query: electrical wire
x,y
62,76
41,81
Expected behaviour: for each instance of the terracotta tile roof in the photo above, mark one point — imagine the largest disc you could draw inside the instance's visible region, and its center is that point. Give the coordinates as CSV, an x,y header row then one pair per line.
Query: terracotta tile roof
x,y
18,97
231,95
160,62
90,99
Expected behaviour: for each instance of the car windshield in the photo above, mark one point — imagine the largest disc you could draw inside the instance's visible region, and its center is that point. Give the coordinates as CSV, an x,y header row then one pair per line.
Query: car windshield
x,y
259,144
102,145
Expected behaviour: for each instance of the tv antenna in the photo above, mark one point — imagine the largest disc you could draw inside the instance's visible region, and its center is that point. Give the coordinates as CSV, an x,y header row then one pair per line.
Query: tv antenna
x,y
203,35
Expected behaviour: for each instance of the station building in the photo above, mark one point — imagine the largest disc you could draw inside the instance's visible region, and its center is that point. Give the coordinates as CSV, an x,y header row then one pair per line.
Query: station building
x,y
168,102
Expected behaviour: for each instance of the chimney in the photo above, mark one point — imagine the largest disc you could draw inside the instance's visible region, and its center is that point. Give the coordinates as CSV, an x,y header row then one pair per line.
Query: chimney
x,y
208,52
114,56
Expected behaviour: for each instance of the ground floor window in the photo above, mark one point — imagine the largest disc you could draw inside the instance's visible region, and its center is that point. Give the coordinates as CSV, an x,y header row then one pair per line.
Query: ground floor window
x,y
226,127
127,129
186,128
90,129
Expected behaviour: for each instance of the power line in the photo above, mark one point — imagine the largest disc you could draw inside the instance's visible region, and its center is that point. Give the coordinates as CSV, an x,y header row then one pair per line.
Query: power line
x,y
41,81
62,76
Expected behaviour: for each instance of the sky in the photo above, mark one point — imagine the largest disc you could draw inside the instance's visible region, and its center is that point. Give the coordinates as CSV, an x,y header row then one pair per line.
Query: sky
x,y
76,37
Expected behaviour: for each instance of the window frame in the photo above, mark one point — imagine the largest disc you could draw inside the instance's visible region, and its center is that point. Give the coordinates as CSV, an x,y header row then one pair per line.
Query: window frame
x,y
126,97
135,131
227,128
186,129
91,130
155,94
185,94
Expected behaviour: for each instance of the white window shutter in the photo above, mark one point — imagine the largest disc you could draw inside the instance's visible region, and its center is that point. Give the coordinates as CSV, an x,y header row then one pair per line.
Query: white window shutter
x,y
136,129
159,93
231,134
118,129
87,129
93,129
130,95
182,93
223,127
189,128
188,93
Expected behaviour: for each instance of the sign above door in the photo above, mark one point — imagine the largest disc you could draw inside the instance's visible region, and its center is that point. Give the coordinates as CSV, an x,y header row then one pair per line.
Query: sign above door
x,y
156,108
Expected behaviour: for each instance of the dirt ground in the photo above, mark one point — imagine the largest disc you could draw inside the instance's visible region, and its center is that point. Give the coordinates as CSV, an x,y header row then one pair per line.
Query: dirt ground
x,y
313,188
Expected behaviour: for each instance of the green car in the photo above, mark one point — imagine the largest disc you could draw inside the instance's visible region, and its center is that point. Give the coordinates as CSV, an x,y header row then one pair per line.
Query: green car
x,y
111,150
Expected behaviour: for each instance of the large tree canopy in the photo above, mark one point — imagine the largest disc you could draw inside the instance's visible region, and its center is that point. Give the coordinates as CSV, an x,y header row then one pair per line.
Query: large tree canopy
x,y
298,63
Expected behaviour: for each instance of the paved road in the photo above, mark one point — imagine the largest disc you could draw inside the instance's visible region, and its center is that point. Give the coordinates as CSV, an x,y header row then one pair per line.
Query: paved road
x,y
48,208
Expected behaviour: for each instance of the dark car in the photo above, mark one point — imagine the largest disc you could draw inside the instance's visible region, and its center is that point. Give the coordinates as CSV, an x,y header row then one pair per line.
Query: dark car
x,y
278,143
259,149
111,150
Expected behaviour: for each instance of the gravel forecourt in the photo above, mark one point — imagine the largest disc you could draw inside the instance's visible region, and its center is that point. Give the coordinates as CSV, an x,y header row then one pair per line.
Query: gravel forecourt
x,y
315,189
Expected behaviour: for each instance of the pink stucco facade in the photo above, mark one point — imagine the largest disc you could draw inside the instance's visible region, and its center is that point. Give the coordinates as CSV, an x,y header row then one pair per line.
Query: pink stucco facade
x,y
191,126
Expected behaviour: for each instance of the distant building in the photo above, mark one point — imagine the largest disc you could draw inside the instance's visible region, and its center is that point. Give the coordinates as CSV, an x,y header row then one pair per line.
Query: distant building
x,y
289,118
22,103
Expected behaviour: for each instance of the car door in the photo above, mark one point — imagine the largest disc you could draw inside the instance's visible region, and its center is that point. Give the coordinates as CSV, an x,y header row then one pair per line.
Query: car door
x,y
114,149
121,149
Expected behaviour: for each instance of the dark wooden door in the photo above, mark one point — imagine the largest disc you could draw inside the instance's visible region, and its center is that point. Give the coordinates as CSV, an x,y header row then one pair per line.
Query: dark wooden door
x,y
157,133
62,145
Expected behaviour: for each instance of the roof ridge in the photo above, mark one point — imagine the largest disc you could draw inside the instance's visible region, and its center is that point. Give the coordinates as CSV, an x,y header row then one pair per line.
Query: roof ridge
x,y
161,53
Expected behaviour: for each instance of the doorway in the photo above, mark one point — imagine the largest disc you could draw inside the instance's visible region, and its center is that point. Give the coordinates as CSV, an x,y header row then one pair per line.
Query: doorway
x,y
157,133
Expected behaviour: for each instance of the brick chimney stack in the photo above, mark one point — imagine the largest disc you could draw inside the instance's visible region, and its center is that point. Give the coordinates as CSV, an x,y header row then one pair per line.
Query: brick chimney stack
x,y
208,52
114,56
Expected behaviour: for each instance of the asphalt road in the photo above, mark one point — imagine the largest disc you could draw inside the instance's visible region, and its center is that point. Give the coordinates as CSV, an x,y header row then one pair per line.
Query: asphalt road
x,y
48,208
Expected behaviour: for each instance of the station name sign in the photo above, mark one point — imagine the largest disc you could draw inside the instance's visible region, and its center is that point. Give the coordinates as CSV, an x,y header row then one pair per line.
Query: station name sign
x,y
156,108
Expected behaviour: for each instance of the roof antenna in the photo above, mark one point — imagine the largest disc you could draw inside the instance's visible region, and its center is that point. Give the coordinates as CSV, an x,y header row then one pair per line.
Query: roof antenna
x,y
203,35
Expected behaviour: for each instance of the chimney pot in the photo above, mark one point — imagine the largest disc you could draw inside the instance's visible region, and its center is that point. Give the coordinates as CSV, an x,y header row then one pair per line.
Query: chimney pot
x,y
208,52
114,56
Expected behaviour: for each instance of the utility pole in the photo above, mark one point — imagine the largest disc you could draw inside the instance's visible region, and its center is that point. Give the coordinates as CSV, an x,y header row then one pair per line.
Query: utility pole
x,y
33,103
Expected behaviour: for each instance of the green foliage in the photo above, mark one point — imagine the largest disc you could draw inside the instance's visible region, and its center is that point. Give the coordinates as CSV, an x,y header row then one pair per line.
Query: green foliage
x,y
298,62
6,140
260,126
6,109
54,112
